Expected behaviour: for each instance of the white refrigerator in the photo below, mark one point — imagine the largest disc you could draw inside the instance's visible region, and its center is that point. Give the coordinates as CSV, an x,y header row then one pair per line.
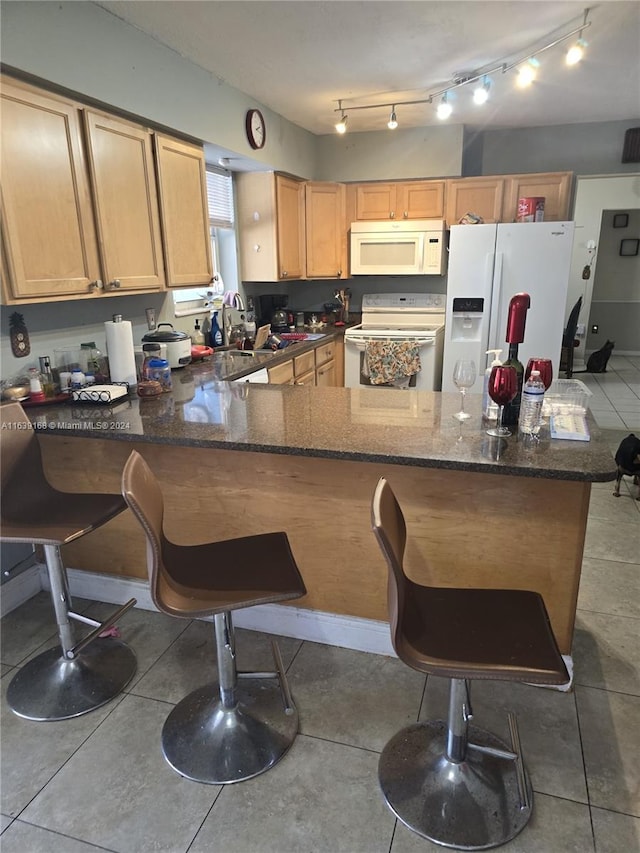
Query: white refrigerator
x,y
488,264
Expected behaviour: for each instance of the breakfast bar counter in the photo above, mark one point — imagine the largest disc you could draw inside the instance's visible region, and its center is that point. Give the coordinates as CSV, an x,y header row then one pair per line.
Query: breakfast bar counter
x,y
236,459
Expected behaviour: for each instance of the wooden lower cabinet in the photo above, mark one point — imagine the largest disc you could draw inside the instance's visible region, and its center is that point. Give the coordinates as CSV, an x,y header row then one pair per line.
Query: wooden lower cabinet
x,y
281,374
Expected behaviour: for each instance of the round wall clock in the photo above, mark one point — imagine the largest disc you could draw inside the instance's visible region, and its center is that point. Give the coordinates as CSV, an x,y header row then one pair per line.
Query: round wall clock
x,y
256,129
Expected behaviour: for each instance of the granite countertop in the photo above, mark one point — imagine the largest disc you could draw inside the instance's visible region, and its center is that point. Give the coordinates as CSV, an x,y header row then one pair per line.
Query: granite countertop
x,y
390,426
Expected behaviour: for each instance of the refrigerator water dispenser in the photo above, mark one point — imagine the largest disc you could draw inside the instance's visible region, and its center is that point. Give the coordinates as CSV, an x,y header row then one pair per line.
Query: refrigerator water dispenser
x,y
466,319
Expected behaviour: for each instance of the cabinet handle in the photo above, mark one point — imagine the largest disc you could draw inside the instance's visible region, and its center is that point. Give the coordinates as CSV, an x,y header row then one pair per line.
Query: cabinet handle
x,y
96,285
339,273
406,214
115,284
284,273
392,215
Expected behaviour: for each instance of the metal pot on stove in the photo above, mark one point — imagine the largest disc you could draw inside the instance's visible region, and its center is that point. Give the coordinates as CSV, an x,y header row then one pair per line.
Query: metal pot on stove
x,y
178,344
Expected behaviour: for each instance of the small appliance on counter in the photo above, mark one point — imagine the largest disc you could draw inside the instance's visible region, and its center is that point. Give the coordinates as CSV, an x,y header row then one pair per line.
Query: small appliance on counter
x,y
178,344
273,312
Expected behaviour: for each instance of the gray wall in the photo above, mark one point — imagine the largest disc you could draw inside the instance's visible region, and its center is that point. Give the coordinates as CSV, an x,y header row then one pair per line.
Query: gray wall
x,y
416,152
615,304
585,149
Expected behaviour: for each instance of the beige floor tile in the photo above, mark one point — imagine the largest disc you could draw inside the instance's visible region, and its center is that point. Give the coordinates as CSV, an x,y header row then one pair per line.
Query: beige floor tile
x,y
556,826
615,833
32,753
604,505
606,652
610,728
610,587
354,697
604,541
321,797
24,838
137,802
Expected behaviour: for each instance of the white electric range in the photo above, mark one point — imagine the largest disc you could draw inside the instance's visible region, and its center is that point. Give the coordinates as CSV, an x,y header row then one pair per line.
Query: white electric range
x,y
417,317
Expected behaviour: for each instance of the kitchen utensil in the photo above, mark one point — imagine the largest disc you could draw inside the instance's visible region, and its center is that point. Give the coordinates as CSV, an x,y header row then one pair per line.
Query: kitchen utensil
x,y
178,344
261,337
16,392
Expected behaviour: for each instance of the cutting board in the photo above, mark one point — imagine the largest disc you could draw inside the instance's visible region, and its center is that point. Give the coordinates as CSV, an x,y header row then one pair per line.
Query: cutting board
x,y
261,337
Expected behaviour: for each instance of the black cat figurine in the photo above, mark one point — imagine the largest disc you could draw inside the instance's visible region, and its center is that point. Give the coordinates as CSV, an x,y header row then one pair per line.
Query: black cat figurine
x,y
598,360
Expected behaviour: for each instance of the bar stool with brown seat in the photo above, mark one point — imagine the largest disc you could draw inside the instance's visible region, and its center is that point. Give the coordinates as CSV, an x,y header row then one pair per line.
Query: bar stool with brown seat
x,y
242,725
74,677
452,783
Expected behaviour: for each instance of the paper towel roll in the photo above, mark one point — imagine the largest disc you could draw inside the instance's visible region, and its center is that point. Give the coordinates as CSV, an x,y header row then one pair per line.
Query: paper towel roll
x,y
122,360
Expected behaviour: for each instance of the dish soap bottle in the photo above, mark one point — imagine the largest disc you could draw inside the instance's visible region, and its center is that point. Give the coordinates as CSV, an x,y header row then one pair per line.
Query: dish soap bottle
x,y
197,337
216,332
489,408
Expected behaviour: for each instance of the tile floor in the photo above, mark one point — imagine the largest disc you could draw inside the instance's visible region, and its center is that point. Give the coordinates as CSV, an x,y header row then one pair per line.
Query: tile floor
x,y
99,783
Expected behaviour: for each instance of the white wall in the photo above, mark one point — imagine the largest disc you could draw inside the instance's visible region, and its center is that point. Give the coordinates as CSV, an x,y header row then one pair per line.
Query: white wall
x,y
595,194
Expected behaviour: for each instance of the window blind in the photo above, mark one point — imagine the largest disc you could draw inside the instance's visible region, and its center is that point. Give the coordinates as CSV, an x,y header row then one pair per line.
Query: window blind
x,y
220,196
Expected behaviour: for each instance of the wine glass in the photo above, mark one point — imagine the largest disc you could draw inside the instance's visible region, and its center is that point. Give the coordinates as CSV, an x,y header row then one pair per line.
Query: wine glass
x,y
503,386
464,375
545,366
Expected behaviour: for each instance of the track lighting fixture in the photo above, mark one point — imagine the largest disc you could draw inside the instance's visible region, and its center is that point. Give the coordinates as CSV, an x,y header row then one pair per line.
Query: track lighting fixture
x,y
481,93
444,109
526,65
576,51
341,125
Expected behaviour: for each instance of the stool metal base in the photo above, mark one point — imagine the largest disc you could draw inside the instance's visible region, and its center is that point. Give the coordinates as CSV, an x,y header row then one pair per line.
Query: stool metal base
x,y
51,688
470,805
208,743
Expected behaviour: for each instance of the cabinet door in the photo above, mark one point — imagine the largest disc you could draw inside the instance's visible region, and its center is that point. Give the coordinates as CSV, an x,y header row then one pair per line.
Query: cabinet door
x,y
184,210
308,378
475,195
420,200
48,227
281,374
290,227
126,203
326,375
375,201
326,230
554,187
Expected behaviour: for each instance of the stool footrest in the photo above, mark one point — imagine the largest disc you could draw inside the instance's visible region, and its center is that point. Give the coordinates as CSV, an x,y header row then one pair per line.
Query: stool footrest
x,y
100,627
279,673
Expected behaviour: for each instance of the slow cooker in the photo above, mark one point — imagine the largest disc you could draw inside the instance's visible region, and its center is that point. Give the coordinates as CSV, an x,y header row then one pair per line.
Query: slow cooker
x,y
178,344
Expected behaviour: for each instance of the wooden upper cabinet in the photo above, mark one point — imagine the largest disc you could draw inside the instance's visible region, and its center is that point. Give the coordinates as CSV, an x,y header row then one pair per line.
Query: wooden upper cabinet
x,y
326,230
271,224
483,196
184,211
49,238
290,222
399,200
554,187
125,203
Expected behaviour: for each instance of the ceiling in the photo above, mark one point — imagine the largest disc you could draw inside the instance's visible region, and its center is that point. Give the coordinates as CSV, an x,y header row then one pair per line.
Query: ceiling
x,y
299,58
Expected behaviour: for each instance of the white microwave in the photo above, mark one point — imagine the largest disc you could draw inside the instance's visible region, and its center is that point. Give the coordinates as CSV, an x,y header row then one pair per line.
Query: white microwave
x,y
403,247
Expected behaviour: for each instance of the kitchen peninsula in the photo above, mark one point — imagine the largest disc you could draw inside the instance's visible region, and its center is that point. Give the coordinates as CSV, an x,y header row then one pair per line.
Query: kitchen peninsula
x,y
236,459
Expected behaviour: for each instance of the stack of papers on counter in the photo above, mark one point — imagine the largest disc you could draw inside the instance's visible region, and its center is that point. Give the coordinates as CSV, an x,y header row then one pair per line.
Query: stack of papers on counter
x,y
573,427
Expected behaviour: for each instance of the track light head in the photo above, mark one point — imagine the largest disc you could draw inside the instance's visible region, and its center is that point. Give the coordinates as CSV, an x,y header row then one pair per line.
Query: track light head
x,y
575,52
393,121
341,126
527,73
444,109
481,93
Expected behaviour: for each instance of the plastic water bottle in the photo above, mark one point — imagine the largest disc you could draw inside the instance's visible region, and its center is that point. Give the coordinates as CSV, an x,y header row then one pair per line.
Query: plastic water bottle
x,y
531,406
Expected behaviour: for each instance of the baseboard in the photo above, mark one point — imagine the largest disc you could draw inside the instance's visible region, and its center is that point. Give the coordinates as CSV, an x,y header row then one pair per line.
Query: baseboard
x,y
365,635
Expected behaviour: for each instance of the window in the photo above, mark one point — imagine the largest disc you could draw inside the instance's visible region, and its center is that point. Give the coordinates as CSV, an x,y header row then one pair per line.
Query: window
x,y
221,224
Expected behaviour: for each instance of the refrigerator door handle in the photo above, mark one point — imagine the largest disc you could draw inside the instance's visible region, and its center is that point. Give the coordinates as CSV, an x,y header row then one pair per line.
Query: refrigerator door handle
x,y
496,299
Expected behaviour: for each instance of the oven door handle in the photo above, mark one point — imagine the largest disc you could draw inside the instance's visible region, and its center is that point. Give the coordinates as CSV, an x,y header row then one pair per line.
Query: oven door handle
x,y
361,343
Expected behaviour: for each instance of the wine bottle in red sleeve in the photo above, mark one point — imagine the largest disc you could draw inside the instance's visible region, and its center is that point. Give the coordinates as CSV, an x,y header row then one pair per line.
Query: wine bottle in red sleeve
x,y
516,322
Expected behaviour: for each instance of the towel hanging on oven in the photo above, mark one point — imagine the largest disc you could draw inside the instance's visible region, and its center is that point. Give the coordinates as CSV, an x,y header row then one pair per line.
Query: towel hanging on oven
x,y
387,362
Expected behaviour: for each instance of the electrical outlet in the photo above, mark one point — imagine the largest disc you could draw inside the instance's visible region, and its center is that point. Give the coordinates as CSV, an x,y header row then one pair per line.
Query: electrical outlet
x,y
594,328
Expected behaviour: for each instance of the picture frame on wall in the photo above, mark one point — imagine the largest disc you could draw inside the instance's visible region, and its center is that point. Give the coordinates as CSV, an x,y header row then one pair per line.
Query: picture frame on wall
x,y
629,248
620,220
